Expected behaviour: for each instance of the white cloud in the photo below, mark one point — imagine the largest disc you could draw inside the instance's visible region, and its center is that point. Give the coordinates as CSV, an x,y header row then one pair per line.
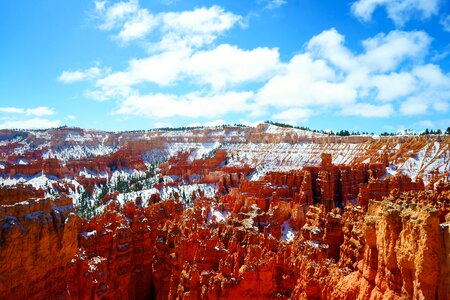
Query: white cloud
x,y
115,14
162,69
306,82
329,44
368,110
71,117
294,116
193,28
445,22
100,5
12,110
190,105
40,111
394,48
36,111
394,85
386,75
201,67
137,27
200,20
79,75
35,123
274,4
113,85
327,75
399,11
433,91
414,106
240,66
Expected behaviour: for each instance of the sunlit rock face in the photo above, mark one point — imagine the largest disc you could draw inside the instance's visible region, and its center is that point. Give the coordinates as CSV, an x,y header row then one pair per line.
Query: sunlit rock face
x,y
223,213
38,239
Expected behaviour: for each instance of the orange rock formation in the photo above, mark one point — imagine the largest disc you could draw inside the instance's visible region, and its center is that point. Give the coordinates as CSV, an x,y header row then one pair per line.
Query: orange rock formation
x,y
330,231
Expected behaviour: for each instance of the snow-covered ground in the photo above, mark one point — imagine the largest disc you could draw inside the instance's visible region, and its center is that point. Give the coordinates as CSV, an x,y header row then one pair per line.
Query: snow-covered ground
x,y
196,150
79,152
284,156
184,191
434,156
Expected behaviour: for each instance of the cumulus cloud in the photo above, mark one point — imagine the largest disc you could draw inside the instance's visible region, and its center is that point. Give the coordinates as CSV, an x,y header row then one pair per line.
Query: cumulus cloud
x,y
328,75
432,92
39,111
18,118
36,111
79,75
114,15
192,105
294,116
394,48
184,74
391,49
306,82
12,110
206,67
193,28
399,11
35,123
137,27
394,85
240,66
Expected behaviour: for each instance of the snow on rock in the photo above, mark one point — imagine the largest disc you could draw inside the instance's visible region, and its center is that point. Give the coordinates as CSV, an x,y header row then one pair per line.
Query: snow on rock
x,y
78,152
431,157
220,215
287,232
145,194
87,234
184,192
285,156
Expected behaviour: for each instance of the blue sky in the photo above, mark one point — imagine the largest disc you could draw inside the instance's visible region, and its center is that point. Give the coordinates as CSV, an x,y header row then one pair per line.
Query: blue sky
x,y
367,65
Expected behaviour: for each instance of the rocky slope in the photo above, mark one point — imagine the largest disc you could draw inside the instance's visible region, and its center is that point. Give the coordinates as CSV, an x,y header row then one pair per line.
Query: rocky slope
x,y
224,213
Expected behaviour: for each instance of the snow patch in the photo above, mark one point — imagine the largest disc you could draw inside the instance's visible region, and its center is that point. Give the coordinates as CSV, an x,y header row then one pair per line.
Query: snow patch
x,y
287,232
221,216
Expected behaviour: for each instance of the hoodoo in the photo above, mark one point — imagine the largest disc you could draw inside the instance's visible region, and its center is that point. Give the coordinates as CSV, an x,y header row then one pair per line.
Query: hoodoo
x,y
197,219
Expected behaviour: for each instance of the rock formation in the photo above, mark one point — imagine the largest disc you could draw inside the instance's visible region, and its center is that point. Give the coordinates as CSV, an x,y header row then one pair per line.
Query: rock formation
x,y
38,239
292,215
